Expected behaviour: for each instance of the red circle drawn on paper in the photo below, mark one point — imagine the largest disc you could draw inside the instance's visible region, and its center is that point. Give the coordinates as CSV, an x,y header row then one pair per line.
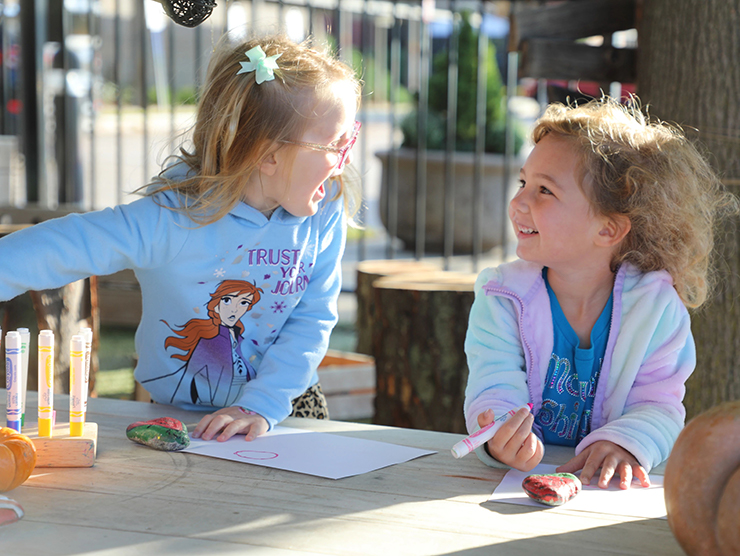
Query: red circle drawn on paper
x,y
255,454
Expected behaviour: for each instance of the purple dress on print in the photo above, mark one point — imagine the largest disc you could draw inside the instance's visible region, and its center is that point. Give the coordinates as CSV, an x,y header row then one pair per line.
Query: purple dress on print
x,y
217,370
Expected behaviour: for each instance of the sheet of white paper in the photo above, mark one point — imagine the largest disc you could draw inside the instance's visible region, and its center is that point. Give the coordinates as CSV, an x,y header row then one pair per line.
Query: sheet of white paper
x,y
314,453
636,501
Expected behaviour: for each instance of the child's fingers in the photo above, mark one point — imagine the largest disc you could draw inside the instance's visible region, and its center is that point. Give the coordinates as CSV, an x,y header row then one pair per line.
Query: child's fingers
x,y
485,418
624,469
202,426
501,443
521,433
256,428
229,430
506,444
590,467
641,475
574,464
530,454
216,425
608,469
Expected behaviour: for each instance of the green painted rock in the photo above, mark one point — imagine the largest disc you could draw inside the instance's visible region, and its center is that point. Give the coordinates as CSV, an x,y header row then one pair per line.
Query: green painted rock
x,y
554,490
165,433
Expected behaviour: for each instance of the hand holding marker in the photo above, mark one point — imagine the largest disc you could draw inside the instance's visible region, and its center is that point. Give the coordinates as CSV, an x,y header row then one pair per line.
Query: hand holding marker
x,y
480,437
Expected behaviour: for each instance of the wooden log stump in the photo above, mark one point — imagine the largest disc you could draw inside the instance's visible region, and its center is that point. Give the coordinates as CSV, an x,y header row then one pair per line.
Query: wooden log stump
x,y
367,273
418,344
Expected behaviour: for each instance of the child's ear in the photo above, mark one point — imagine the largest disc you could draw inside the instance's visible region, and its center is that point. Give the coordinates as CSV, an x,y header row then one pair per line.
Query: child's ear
x,y
269,164
614,230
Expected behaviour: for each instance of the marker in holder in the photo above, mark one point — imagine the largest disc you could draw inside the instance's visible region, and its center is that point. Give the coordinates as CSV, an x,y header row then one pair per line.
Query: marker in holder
x,y
46,383
78,386
12,380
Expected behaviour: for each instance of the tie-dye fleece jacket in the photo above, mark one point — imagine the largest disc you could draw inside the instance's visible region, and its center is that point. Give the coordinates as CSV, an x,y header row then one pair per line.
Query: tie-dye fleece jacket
x,y
649,356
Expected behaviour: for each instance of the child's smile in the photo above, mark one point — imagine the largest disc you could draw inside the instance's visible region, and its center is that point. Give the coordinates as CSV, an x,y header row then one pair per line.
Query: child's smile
x,y
526,231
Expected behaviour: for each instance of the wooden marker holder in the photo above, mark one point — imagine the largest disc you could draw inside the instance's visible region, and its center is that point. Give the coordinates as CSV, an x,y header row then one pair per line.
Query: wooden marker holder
x,y
63,450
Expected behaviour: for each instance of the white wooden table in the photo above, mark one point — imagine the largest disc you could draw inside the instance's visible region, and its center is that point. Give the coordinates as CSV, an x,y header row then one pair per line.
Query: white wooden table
x,y
136,500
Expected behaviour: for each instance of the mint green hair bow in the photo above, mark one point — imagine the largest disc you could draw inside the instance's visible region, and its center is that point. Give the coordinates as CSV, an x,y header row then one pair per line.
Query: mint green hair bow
x,y
261,63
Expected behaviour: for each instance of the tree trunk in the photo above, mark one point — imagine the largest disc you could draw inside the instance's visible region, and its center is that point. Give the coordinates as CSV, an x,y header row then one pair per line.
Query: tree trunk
x,y
689,73
418,341
367,273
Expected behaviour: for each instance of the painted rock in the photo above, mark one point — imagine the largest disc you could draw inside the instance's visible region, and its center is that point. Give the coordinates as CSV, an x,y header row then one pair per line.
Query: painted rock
x,y
554,490
165,433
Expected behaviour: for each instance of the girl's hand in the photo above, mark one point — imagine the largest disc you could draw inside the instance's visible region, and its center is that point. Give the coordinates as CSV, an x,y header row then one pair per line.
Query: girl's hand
x,y
514,443
230,421
610,458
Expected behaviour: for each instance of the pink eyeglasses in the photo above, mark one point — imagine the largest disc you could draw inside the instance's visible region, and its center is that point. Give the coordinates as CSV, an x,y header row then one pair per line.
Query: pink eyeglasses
x,y
341,152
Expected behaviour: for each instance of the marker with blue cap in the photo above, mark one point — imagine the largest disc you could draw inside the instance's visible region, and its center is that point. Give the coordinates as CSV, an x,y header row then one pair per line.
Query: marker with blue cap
x,y
12,380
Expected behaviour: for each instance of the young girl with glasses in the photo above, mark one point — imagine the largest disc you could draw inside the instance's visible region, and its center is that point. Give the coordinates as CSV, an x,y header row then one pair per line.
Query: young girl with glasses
x,y
236,245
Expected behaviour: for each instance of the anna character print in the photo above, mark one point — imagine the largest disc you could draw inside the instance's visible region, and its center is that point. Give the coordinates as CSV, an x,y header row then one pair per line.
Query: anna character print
x,y
215,368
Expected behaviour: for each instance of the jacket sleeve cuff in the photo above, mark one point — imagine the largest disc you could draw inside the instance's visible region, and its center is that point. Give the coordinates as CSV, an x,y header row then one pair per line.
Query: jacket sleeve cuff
x,y
488,459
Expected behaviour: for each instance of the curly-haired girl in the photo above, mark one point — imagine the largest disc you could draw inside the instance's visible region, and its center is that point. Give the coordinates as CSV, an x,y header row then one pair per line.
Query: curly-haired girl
x,y
614,221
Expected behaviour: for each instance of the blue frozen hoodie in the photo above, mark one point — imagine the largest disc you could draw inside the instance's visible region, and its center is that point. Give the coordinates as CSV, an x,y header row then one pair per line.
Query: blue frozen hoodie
x,y
263,359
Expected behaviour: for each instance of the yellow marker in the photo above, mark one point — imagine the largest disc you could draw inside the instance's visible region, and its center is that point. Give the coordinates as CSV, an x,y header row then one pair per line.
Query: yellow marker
x,y
46,382
77,385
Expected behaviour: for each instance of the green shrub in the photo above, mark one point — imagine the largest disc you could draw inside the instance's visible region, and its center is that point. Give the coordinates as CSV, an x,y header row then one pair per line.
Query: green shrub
x,y
495,136
377,85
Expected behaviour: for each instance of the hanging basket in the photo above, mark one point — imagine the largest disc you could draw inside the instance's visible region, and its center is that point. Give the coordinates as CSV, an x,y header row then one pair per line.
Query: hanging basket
x,y
189,13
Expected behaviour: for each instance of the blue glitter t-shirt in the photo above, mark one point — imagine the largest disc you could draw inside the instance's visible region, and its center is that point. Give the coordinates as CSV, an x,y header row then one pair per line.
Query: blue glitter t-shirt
x,y
572,375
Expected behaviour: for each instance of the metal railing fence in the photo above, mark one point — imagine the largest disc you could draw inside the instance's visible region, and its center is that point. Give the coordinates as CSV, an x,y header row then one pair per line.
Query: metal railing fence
x,y
96,91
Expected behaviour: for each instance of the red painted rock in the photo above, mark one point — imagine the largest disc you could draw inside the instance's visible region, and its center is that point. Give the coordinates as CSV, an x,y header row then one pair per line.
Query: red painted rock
x,y
554,490
165,433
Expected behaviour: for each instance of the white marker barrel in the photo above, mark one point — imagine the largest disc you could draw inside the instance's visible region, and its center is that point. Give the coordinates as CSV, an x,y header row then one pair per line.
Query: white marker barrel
x,y
87,336
77,385
12,380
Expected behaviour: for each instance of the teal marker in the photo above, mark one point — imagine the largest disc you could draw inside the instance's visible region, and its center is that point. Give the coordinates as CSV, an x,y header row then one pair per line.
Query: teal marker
x,y
23,373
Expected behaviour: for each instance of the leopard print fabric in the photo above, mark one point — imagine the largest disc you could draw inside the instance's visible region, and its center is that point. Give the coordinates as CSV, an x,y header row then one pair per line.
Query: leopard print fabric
x,y
311,404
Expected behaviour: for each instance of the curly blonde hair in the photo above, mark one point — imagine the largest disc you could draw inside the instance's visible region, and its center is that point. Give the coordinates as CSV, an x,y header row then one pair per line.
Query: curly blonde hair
x,y
238,121
651,173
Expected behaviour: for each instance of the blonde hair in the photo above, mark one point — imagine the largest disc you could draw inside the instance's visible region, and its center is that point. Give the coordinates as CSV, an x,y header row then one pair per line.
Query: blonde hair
x,y
238,121
651,173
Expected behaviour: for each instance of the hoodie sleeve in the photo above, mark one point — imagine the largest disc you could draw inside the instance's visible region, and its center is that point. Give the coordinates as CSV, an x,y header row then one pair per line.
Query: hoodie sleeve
x,y
642,408
62,250
289,365
497,377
